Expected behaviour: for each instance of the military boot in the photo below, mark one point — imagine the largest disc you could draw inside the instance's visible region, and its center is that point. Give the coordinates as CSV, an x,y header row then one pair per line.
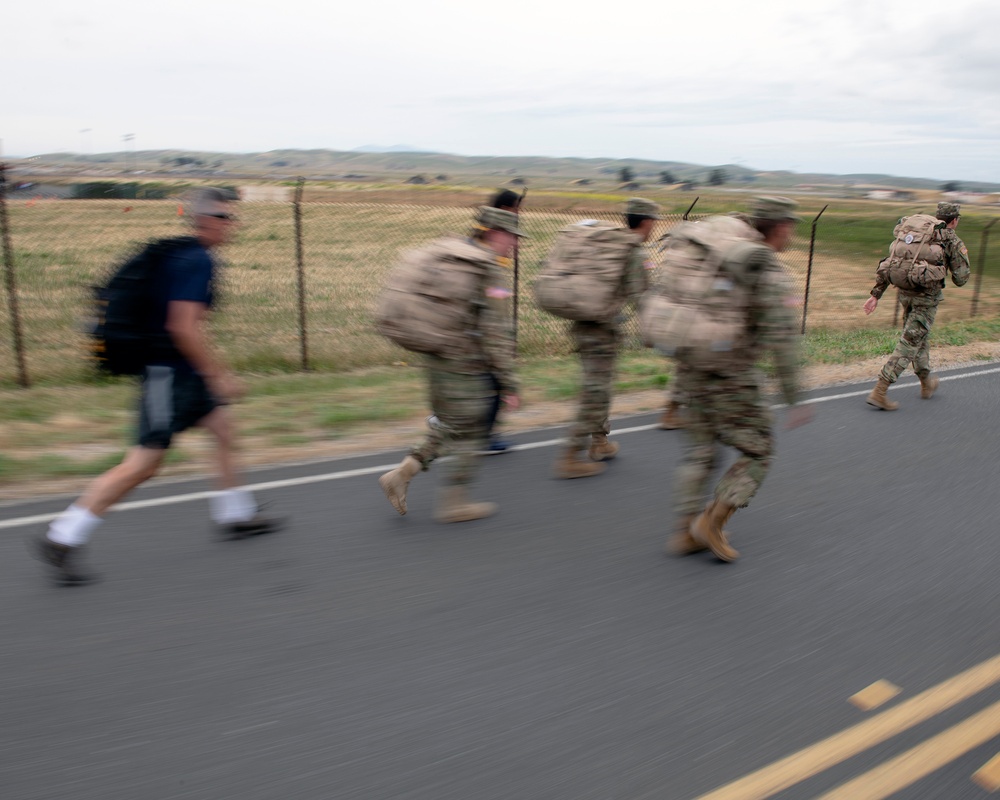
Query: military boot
x,y
671,418
455,506
708,528
878,399
928,385
569,466
395,481
601,449
681,542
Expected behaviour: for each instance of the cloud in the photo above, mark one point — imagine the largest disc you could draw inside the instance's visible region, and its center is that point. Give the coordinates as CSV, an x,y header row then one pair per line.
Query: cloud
x,y
823,82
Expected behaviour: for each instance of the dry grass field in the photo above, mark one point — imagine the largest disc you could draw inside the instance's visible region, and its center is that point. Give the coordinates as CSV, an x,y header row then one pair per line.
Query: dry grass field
x,y
70,426
64,246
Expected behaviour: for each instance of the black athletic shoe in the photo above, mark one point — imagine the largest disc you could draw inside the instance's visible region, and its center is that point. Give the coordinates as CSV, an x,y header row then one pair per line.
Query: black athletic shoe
x,y
495,447
258,525
64,560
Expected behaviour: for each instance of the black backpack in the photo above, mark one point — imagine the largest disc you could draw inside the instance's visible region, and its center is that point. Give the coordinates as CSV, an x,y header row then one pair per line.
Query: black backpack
x,y
121,341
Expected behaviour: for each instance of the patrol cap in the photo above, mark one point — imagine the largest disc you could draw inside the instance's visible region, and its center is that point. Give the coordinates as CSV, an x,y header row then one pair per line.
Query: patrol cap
x,y
640,207
948,210
779,209
498,220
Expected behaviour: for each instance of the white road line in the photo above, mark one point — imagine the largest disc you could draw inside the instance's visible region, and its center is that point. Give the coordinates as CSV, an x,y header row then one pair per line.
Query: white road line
x,y
19,522
187,498
829,397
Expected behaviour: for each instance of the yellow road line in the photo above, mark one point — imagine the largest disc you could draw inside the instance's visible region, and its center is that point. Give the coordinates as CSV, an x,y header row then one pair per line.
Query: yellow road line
x,y
812,760
878,694
919,762
989,776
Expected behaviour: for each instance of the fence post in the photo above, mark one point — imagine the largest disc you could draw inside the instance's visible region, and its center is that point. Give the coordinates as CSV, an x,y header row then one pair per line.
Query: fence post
x,y
11,283
517,267
982,265
809,266
690,207
517,280
300,266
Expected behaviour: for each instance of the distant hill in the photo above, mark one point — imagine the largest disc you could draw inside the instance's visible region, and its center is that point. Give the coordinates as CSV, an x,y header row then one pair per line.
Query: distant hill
x,y
373,162
392,148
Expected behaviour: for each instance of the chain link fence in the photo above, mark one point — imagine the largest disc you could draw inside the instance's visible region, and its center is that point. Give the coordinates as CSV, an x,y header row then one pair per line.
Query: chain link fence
x,y
279,291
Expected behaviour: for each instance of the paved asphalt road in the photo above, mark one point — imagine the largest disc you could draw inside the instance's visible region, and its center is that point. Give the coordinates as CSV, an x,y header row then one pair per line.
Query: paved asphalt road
x,y
550,652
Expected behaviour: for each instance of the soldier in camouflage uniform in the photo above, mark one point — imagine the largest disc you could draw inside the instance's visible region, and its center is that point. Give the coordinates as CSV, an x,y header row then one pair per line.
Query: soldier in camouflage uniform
x,y
461,388
725,406
597,344
920,308
672,417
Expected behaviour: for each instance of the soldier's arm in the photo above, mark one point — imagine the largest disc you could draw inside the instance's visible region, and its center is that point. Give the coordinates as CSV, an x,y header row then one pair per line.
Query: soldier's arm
x,y
497,337
957,258
774,321
881,284
636,280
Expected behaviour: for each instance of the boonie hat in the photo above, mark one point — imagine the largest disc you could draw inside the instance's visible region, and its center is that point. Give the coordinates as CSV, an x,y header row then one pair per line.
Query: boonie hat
x,y
498,220
779,209
640,207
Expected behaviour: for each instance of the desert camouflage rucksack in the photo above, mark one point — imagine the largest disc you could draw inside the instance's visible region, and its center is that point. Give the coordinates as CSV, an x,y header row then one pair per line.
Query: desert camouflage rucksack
x,y
916,257
697,312
582,276
433,297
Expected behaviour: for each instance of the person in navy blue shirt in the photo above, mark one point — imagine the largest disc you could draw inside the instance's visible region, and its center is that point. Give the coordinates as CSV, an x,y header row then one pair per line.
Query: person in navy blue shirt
x,y
185,388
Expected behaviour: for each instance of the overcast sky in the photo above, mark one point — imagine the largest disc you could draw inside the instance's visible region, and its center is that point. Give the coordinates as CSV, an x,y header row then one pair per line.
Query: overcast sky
x,y
906,87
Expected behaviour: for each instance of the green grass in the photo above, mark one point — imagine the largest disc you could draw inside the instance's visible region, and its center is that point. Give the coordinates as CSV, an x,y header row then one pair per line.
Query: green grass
x,y
39,426
824,346
842,347
52,465
339,415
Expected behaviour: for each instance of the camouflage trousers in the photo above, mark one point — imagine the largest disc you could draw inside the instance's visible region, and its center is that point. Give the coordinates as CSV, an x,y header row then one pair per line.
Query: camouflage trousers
x,y
675,389
597,344
725,410
913,346
460,395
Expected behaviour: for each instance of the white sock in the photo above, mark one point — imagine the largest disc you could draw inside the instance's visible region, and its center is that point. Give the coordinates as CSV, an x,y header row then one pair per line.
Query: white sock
x,y
232,505
73,527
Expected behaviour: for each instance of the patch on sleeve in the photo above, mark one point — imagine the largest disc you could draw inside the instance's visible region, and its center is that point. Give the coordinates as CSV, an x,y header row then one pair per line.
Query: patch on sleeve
x,y
964,250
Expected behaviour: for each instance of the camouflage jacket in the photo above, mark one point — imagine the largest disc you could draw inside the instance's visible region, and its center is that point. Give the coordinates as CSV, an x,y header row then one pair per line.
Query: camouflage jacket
x,y
772,321
495,333
956,258
773,318
635,280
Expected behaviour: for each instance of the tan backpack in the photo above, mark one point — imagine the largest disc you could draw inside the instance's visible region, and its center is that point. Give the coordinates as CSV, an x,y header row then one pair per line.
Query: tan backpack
x,y
433,297
582,277
916,257
698,310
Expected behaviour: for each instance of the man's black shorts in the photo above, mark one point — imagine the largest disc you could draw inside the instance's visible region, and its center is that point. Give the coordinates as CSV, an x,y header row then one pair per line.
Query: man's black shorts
x,y
172,401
